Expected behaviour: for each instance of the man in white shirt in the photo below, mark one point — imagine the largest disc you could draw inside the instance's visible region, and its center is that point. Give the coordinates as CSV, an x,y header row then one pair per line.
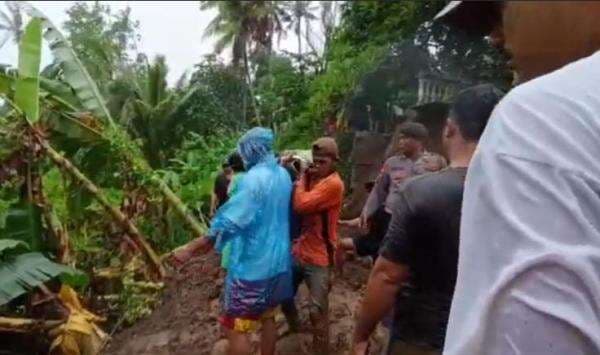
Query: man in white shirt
x,y
529,259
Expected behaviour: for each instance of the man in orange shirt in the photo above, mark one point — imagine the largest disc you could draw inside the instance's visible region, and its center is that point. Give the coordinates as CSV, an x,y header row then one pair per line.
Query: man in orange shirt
x,y
317,201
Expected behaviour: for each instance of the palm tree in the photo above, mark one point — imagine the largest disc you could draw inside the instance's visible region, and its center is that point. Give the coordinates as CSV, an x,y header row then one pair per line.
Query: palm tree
x,y
298,12
150,113
248,27
11,23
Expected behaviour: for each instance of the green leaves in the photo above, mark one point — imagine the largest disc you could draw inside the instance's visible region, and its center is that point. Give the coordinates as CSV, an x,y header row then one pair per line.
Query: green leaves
x,y
24,223
74,73
27,85
22,273
8,246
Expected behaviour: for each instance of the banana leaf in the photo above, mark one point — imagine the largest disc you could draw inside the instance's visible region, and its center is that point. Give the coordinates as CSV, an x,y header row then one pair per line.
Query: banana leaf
x,y
24,223
21,274
74,73
9,246
28,83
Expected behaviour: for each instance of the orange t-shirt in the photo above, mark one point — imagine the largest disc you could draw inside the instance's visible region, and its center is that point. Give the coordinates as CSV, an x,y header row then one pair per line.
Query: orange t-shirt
x,y
325,195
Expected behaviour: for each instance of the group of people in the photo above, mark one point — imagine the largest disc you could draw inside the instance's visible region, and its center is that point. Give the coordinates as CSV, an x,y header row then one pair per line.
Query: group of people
x,y
496,253
277,229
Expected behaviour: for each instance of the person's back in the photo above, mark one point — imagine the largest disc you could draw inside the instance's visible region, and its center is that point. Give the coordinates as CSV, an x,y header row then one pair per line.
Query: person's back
x,y
432,205
530,248
271,186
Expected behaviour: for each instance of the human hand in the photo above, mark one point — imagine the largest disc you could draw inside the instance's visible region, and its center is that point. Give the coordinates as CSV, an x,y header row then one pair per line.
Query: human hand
x,y
363,221
350,222
181,256
360,348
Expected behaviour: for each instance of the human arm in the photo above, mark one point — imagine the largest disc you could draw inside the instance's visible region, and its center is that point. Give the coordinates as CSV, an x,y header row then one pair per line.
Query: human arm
x,y
389,272
324,195
354,223
183,254
377,195
383,285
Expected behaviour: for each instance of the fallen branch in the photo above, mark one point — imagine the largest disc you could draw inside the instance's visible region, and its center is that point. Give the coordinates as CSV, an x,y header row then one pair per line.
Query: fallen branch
x,y
123,221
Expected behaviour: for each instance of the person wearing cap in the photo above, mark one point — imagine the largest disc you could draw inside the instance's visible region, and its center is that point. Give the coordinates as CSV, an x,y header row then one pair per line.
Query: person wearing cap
x,y
410,161
317,200
416,271
528,280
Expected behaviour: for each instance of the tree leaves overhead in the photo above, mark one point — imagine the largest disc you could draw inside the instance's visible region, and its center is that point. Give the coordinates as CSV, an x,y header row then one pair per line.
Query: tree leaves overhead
x,y
27,84
74,73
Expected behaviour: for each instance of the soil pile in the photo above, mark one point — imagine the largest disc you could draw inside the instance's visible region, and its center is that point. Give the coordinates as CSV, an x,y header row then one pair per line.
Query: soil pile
x,y
186,320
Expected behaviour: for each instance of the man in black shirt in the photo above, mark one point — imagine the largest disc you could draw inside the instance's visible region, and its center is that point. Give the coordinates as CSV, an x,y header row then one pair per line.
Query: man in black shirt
x,y
416,270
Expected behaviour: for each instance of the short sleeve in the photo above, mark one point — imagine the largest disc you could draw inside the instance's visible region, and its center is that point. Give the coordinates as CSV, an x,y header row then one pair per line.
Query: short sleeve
x,y
398,245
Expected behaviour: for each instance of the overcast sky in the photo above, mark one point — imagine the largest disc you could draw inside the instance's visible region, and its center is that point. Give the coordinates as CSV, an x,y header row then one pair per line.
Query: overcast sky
x,y
172,28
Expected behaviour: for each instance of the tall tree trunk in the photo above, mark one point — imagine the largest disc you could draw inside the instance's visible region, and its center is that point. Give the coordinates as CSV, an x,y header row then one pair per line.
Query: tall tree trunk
x,y
99,195
299,34
249,83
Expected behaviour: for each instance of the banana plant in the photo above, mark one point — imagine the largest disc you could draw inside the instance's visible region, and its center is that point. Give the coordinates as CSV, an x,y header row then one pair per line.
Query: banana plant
x,y
26,106
89,98
22,270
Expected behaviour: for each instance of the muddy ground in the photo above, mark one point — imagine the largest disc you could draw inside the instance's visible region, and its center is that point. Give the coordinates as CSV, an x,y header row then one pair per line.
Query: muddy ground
x,y
186,320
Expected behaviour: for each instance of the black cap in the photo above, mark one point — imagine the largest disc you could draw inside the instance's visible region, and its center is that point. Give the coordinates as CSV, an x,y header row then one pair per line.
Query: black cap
x,y
472,16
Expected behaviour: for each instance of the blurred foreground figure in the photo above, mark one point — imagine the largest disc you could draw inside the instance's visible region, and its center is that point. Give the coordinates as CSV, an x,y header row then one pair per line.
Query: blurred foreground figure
x,y
416,270
255,221
528,275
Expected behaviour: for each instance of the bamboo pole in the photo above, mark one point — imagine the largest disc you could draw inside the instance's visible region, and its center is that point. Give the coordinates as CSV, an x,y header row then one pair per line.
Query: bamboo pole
x,y
180,208
127,225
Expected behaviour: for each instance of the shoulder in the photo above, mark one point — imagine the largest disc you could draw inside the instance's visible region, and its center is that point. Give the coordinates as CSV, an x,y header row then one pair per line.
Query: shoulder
x,y
551,120
430,187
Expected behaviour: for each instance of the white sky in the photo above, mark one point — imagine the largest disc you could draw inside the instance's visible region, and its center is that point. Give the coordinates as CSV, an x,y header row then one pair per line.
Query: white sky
x,y
172,28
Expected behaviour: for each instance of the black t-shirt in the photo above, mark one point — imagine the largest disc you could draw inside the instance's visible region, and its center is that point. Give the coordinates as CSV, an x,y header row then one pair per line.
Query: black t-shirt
x,y
220,189
423,234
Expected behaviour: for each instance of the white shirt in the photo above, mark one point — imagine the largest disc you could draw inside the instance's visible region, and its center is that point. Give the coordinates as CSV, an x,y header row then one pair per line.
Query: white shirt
x,y
529,257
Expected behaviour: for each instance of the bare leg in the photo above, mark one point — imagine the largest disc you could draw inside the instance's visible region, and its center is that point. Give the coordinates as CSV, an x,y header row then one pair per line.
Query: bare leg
x,y
268,336
239,343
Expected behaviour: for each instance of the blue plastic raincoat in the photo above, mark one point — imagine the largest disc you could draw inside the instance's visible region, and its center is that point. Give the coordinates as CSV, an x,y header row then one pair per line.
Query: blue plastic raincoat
x,y
256,222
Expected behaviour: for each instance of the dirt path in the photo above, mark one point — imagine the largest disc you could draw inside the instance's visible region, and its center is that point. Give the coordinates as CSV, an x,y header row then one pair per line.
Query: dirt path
x,y
186,320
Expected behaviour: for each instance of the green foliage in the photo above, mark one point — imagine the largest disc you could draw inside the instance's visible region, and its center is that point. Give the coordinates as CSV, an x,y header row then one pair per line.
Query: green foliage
x,y
73,71
137,299
27,85
12,246
329,92
101,39
281,92
24,222
216,102
197,164
23,272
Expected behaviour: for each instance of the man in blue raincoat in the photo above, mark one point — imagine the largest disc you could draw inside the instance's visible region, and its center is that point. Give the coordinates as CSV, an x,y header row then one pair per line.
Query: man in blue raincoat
x,y
255,221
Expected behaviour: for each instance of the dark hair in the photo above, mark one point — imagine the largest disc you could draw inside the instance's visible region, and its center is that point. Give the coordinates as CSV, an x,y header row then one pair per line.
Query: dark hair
x,y
472,108
414,130
234,160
